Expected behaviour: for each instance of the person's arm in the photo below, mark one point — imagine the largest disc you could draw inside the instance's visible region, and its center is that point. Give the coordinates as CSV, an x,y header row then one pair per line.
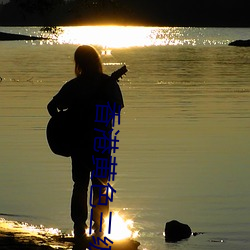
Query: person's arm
x,y
61,100
52,108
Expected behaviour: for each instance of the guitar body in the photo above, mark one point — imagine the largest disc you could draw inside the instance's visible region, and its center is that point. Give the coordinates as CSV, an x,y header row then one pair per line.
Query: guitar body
x,y
59,133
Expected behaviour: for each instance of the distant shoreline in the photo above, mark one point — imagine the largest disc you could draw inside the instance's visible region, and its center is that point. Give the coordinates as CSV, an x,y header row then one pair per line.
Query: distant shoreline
x,y
16,37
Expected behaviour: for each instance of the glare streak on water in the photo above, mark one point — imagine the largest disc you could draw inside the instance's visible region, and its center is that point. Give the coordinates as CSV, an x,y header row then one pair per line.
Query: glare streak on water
x,y
184,141
116,36
127,36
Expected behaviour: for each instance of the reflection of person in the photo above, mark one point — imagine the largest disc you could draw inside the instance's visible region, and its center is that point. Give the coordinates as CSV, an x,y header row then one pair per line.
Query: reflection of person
x,y
80,96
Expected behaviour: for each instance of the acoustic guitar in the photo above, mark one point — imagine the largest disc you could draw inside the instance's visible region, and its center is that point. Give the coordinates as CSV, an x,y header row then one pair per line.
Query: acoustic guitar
x,y
59,127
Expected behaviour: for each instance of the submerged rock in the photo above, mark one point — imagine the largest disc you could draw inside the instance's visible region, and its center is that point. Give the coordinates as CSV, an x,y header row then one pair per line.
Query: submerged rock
x,y
240,43
176,231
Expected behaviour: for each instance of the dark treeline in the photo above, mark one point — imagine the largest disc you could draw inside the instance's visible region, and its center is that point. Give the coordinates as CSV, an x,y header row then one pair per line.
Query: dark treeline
x,y
192,13
60,12
218,13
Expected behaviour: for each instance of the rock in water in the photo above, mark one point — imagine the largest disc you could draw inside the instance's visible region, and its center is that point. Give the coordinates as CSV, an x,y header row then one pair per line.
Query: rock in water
x,y
240,43
176,231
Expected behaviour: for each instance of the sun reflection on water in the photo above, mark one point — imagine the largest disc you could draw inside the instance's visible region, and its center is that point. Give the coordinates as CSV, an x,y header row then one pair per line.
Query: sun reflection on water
x,y
124,36
121,228
110,37
107,36
28,228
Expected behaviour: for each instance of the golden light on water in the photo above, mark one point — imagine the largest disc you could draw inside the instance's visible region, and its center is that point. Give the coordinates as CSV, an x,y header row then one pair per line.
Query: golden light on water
x,y
109,37
106,36
121,228
22,227
122,232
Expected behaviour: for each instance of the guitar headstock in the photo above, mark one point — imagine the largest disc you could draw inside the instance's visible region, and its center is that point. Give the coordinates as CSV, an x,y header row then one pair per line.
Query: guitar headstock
x,y
119,73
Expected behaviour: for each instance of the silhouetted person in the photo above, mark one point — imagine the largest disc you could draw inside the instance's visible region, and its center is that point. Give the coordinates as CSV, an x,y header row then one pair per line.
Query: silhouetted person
x,y
80,96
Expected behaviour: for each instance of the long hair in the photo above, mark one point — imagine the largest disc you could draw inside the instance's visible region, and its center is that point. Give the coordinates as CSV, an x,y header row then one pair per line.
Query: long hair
x,y
87,60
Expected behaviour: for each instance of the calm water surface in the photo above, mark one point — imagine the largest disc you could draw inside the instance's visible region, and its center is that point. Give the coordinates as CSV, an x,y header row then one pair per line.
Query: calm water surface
x,y
184,140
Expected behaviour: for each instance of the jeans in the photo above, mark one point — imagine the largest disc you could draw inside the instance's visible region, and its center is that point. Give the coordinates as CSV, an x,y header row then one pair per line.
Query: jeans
x,y
81,170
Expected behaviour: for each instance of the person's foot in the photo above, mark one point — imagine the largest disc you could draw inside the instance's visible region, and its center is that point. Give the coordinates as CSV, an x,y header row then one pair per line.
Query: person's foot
x,y
80,242
98,234
80,237
98,231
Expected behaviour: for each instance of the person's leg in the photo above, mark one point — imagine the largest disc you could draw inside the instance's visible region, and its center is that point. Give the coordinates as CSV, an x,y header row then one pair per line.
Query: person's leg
x,y
98,209
79,207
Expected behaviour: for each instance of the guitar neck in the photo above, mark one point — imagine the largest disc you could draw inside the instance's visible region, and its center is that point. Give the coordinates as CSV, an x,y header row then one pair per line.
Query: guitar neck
x,y
119,73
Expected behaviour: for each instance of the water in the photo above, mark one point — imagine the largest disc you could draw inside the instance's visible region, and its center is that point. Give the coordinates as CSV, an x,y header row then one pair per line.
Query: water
x,y
184,140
